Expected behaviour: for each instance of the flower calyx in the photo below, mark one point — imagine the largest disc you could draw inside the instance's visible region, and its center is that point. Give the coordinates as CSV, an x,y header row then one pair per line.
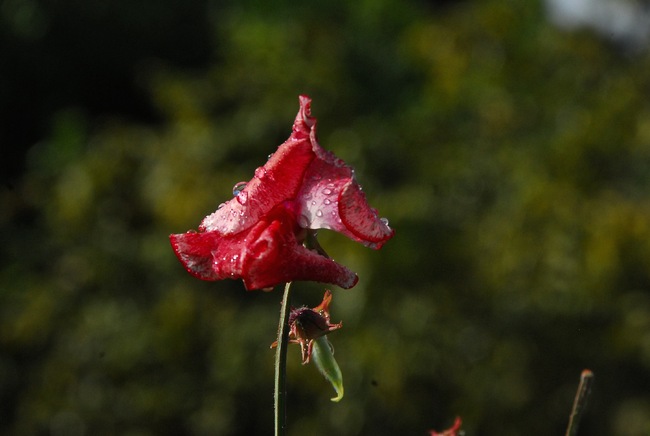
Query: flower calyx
x,y
306,325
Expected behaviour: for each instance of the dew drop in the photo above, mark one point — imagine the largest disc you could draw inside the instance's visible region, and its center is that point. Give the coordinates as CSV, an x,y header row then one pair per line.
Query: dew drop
x,y
327,201
260,172
242,197
384,220
221,205
313,202
319,213
239,187
327,191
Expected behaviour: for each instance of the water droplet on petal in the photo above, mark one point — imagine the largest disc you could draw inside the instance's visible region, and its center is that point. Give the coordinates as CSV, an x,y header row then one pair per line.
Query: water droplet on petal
x,y
221,205
242,197
313,202
260,172
238,188
327,191
327,201
319,213
384,220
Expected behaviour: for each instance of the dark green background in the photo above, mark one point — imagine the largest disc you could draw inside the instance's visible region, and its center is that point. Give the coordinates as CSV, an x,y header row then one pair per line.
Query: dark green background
x,y
511,157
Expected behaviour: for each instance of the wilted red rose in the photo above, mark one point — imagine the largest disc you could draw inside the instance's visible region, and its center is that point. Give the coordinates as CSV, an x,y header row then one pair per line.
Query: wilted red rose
x,y
258,235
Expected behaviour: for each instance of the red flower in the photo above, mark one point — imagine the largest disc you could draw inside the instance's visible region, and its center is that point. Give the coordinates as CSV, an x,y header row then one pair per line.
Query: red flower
x,y
454,430
258,235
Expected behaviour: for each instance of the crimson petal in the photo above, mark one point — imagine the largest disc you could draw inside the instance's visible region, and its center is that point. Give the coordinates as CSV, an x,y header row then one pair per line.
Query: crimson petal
x,y
331,198
362,220
276,257
263,256
194,250
277,181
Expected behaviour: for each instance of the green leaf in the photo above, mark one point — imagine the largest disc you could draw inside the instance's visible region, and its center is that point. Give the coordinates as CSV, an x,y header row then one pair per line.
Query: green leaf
x,y
323,357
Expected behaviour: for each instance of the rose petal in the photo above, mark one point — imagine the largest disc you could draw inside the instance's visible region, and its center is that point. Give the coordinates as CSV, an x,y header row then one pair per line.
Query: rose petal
x,y
304,122
265,255
276,257
194,250
276,181
330,198
362,220
317,201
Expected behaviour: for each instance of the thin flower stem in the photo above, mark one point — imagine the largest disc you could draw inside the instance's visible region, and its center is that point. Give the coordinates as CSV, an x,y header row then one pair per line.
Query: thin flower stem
x,y
280,390
580,401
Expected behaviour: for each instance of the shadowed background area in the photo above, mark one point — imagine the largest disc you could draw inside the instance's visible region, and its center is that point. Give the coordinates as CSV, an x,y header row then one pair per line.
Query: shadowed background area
x,y
507,142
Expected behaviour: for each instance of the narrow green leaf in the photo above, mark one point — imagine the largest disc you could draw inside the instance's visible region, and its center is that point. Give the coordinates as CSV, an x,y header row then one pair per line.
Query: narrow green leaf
x,y
323,357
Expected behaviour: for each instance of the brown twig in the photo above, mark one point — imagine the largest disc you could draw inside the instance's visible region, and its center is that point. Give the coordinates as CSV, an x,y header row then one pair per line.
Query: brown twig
x,y
580,401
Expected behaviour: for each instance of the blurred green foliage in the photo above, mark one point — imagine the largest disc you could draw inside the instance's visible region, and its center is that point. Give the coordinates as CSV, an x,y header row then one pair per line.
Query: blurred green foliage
x,y
512,158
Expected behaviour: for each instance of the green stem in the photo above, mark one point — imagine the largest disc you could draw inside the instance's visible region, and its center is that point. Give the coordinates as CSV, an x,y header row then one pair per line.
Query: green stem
x,y
280,390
